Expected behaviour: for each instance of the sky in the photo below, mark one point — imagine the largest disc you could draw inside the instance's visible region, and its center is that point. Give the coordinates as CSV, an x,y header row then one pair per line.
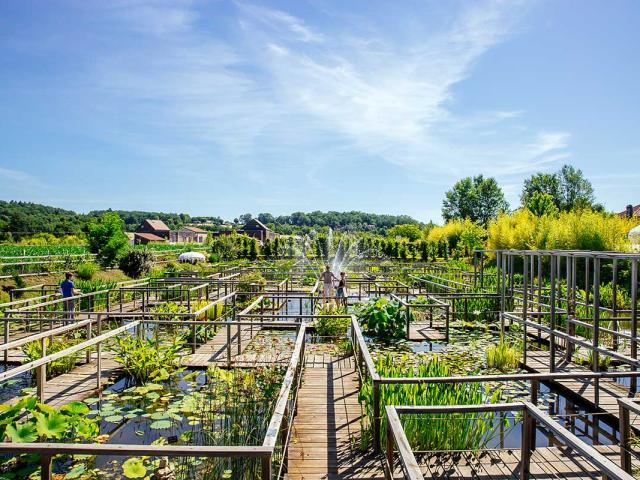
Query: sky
x,y
226,107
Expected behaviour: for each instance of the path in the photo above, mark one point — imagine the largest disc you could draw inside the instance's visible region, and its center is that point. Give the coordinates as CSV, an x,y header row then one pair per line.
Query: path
x,y
326,428
215,350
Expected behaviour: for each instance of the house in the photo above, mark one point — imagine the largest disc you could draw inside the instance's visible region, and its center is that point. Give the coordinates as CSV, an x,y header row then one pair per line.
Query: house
x,y
155,227
145,238
630,212
256,229
189,235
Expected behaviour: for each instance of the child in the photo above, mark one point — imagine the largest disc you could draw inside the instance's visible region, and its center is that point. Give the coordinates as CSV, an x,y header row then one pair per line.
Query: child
x,y
341,292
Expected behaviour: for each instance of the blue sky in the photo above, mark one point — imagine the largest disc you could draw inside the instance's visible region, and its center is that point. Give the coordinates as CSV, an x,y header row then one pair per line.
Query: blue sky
x,y
223,107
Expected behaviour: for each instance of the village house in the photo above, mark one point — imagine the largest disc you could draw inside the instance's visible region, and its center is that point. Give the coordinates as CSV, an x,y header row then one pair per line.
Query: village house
x,y
630,212
189,235
256,229
155,227
146,238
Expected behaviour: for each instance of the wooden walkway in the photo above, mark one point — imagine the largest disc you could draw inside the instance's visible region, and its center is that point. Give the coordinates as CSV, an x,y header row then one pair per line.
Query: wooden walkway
x,y
327,427
419,332
610,391
78,384
215,350
546,463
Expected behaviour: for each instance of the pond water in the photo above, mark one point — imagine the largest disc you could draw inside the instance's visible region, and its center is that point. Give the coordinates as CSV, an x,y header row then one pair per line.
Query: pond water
x,y
14,386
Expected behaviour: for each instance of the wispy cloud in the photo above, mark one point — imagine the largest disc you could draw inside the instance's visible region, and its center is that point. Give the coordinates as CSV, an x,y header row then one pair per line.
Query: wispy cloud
x,y
19,179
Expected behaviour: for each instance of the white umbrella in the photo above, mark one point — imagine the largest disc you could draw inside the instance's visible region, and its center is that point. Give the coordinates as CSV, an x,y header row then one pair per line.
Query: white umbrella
x,y
192,257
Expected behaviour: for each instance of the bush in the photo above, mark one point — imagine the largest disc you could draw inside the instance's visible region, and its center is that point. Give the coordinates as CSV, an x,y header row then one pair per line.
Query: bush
x,y
332,327
136,263
86,271
33,351
148,360
383,319
106,238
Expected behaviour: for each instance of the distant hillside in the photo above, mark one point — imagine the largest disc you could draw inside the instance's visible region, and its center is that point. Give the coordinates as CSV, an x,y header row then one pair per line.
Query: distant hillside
x,y
23,219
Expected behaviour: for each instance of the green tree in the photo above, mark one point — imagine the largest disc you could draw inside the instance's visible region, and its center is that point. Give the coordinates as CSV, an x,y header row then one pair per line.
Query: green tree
x,y
406,230
478,199
106,238
567,187
541,204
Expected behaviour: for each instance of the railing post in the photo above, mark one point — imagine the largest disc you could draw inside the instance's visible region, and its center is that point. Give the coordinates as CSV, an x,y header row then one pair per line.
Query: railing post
x,y
45,466
525,451
228,344
535,388
625,436
6,339
376,415
41,372
99,354
266,468
390,449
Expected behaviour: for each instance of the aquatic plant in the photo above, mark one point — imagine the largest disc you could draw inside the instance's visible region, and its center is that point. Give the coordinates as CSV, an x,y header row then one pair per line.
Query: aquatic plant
x,y
332,327
503,356
148,359
428,432
33,351
383,319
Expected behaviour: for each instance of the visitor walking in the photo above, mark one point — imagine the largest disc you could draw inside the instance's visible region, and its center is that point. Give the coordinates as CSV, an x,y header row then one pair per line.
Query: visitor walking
x,y
68,290
327,278
341,292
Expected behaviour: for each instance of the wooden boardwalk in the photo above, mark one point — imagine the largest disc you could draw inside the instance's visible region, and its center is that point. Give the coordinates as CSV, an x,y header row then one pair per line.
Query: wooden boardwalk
x,y
78,384
546,463
419,332
215,350
327,427
610,391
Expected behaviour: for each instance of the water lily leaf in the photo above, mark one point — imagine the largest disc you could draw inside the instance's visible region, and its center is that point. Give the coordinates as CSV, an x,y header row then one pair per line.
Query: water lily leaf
x,y
159,416
75,408
160,424
134,468
153,395
114,418
139,433
52,425
25,432
76,472
153,387
91,401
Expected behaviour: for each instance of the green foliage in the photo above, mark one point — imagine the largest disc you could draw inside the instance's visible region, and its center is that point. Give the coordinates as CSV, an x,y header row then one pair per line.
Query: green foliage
x,y
541,204
136,263
24,219
464,431
503,356
146,359
567,188
383,319
576,230
86,271
332,327
107,239
248,284
33,351
410,231
478,199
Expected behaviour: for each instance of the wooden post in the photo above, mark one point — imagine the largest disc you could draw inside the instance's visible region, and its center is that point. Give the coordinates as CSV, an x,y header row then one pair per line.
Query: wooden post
x,y
376,415
535,387
99,354
614,284
525,295
633,383
6,339
45,466
552,318
390,450
525,451
266,468
596,327
228,344
625,437
41,372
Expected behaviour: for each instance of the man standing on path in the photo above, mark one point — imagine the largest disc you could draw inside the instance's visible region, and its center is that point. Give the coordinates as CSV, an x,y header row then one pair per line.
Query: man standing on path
x,y
68,290
327,278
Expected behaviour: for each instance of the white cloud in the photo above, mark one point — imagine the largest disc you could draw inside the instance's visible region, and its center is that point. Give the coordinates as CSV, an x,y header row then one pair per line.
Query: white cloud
x,y
19,180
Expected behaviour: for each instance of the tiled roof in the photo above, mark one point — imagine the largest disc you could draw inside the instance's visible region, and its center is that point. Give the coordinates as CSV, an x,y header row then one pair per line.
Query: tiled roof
x,y
195,229
150,236
636,212
158,225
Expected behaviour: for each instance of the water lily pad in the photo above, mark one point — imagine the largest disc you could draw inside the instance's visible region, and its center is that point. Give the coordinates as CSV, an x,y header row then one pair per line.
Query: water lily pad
x,y
160,424
134,468
114,418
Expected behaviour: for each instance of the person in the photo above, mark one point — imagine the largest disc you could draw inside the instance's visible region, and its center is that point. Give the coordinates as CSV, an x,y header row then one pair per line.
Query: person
x,y
327,278
341,292
68,290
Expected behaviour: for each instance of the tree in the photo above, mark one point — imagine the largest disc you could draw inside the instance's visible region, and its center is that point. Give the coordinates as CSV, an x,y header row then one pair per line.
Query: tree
x,y
478,199
541,204
406,230
567,187
136,263
245,218
106,238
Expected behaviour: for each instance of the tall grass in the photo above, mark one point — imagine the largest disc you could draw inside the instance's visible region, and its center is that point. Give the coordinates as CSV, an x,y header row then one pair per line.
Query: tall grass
x,y
502,356
458,431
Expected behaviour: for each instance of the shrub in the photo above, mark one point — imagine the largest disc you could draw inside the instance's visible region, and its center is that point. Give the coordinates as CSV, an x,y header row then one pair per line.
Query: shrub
x,y
106,238
33,351
136,263
249,283
502,356
146,359
383,319
332,327
86,271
